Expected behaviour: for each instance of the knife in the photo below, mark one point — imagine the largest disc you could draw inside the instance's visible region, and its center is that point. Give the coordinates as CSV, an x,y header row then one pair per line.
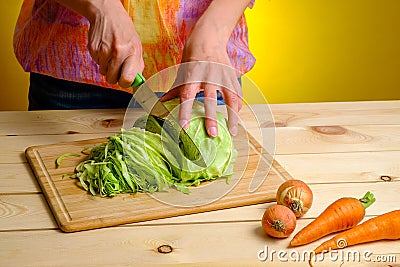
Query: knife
x,y
150,102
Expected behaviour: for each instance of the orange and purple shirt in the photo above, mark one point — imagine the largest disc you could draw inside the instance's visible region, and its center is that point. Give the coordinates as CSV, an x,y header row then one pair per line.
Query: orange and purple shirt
x,y
51,39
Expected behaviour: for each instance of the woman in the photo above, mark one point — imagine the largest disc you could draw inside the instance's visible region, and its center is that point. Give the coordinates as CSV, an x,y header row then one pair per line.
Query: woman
x,y
86,53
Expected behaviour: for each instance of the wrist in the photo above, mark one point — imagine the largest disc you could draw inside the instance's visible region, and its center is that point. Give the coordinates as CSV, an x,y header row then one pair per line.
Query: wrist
x,y
220,19
212,31
90,9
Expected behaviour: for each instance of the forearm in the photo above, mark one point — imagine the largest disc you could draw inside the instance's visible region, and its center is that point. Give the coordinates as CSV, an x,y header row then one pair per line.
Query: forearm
x,y
90,8
221,17
113,42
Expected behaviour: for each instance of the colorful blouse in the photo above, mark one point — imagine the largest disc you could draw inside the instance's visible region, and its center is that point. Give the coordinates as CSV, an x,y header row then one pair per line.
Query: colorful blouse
x,y
51,39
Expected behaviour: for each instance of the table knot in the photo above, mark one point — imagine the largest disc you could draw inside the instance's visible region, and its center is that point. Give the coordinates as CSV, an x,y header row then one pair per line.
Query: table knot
x,y
165,249
329,130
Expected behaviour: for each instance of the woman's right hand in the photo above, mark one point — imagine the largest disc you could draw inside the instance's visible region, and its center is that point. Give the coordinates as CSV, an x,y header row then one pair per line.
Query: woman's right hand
x,y
113,41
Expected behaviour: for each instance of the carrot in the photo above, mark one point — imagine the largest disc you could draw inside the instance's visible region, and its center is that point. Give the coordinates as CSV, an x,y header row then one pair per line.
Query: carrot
x,y
385,226
341,215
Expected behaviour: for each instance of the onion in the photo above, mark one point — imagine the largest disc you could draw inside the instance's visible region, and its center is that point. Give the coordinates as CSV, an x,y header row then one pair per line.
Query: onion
x,y
278,221
296,195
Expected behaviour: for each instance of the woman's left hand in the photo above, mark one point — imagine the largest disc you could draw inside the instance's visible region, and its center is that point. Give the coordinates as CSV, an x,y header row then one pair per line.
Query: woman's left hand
x,y
210,71
210,68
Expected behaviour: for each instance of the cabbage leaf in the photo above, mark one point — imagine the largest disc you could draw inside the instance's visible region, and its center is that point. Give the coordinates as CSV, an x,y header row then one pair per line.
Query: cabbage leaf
x,y
153,156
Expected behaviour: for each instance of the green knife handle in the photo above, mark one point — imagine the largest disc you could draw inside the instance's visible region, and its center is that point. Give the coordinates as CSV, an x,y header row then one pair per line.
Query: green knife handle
x,y
139,80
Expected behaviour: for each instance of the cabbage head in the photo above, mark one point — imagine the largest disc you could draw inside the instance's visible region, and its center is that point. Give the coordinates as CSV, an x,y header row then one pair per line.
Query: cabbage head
x,y
154,156
218,152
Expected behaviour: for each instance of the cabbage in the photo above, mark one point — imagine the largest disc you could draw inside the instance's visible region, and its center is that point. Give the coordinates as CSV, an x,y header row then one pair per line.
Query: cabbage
x,y
154,156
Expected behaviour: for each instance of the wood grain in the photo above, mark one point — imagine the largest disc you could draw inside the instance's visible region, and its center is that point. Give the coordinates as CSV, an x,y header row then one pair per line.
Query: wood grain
x,y
329,139
61,121
285,115
335,113
340,167
17,178
374,166
30,211
338,148
76,209
25,212
289,140
137,246
13,147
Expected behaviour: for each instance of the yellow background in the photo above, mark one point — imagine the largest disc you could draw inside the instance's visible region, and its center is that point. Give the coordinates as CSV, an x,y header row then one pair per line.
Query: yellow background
x,y
307,51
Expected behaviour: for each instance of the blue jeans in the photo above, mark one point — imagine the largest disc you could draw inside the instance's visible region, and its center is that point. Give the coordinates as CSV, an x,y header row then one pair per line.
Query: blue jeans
x,y
46,92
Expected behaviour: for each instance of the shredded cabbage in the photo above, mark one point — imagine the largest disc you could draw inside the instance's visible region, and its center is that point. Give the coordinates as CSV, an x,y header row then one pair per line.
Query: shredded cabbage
x,y
153,156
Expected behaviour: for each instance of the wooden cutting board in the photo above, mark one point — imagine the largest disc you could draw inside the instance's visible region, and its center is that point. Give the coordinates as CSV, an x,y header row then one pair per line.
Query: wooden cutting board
x,y
256,178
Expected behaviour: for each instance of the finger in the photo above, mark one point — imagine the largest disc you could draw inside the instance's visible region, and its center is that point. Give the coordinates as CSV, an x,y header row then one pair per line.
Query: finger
x,y
232,101
229,78
189,73
141,64
210,105
103,69
187,95
93,44
239,92
129,69
171,94
114,70
103,66
104,57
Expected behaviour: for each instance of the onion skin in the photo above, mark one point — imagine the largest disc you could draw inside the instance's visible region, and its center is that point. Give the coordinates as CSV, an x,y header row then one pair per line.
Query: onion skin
x,y
296,195
278,221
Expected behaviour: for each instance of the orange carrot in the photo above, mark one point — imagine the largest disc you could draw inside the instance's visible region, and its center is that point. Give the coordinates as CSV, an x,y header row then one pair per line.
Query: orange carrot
x,y
385,226
341,215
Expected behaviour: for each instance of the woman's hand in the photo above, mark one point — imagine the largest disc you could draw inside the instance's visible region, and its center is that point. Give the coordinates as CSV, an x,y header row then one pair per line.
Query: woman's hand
x,y
208,43
113,41
208,69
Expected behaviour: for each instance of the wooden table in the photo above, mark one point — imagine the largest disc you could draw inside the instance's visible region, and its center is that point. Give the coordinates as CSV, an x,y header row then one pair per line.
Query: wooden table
x,y
339,149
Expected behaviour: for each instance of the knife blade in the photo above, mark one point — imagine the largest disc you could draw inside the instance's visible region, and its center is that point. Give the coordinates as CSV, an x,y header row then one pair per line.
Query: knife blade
x,y
150,102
